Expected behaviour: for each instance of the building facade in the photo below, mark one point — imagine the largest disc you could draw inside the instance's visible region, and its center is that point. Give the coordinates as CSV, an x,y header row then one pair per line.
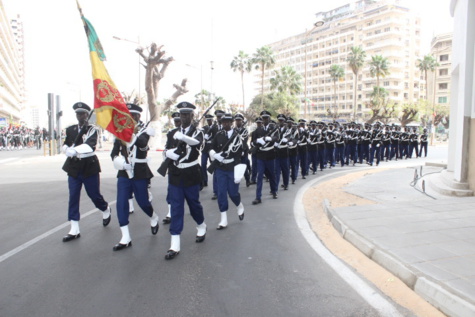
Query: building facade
x,y
380,28
12,72
438,82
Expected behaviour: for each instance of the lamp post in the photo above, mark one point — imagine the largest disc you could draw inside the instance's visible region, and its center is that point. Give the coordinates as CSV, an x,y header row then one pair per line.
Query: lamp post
x,y
315,25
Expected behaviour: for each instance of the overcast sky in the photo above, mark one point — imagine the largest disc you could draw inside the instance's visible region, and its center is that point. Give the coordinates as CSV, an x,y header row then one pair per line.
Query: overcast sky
x,y
193,32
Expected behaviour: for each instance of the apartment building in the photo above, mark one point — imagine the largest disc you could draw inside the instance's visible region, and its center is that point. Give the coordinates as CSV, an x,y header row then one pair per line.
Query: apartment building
x,y
380,28
12,77
438,82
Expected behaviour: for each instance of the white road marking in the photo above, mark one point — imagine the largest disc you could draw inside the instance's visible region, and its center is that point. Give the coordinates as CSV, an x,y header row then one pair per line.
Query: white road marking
x,y
369,294
44,235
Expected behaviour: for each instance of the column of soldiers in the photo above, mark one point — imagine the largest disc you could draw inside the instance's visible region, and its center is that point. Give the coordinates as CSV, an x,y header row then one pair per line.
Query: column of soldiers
x,y
18,138
279,151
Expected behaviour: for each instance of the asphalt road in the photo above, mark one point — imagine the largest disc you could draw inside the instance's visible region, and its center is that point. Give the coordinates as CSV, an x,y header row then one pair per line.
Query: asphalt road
x,y
262,266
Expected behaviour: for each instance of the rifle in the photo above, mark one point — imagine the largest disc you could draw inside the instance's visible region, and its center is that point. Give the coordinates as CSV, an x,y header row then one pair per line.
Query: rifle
x,y
83,130
214,164
162,170
257,146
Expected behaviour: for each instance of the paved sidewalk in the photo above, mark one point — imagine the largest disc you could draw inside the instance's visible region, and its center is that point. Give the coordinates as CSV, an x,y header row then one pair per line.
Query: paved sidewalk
x,y
426,240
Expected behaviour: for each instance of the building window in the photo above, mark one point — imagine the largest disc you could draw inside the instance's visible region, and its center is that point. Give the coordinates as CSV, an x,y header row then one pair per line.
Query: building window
x,y
444,58
396,94
443,72
443,86
386,83
396,83
442,99
377,31
406,95
387,29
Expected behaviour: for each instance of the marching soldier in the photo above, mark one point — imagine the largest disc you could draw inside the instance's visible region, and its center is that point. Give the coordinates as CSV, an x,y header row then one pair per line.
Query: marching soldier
x,y
177,122
376,137
215,128
404,143
302,147
330,146
184,177
83,168
312,146
242,130
227,150
282,153
264,138
365,138
133,176
413,143
253,151
395,139
293,150
386,141
205,153
424,141
340,146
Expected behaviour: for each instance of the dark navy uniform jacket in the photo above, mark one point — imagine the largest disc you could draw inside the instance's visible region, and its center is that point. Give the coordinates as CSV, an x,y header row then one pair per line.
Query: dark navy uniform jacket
x,y
178,173
89,165
266,151
233,156
141,169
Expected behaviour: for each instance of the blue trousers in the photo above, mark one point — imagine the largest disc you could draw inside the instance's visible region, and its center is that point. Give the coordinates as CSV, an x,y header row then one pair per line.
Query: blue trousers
x,y
303,157
351,152
226,186
294,167
125,187
177,196
282,165
312,159
423,147
267,167
321,157
330,155
91,184
254,168
364,153
375,152
204,166
340,154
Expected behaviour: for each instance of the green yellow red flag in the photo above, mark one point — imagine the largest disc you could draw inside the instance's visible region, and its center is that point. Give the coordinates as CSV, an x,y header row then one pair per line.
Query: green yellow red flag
x,y
111,111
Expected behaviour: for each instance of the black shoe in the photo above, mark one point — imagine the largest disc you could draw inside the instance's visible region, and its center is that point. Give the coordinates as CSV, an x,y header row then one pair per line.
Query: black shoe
x,y
286,187
252,183
167,220
221,227
214,197
241,217
293,182
282,186
171,254
200,239
248,184
303,177
314,172
256,201
131,212
274,195
106,221
120,246
70,237
155,229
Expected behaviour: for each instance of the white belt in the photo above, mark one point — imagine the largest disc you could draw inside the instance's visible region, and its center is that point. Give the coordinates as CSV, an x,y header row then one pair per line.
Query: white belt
x,y
266,149
227,161
302,144
282,146
136,160
186,165
84,155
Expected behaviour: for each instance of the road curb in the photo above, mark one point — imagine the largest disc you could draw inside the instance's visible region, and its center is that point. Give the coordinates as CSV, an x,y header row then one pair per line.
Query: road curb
x,y
432,291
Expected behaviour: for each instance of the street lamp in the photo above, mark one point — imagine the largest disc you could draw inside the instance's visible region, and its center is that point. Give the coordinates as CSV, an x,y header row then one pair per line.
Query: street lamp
x,y
315,25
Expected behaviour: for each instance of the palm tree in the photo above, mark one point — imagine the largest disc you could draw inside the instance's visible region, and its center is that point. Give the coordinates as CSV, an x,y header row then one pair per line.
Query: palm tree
x,y
428,63
336,73
242,63
287,80
263,58
355,60
378,67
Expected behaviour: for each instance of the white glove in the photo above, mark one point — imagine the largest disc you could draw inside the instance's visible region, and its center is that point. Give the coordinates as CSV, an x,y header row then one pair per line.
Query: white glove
x,y
284,140
150,131
172,155
301,129
71,152
261,141
218,156
178,135
127,166
206,137
268,138
65,147
290,143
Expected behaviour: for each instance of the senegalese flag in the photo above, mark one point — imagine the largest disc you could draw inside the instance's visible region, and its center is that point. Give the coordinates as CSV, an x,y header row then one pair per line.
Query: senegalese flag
x,y
111,111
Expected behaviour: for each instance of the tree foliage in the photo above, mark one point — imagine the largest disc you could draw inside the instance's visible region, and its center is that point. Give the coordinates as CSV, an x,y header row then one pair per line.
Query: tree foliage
x,y
263,59
287,81
355,60
242,63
